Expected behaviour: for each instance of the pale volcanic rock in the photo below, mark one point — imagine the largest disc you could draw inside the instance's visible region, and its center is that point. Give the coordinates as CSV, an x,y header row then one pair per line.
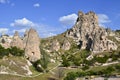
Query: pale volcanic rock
x,y
55,46
17,41
66,45
32,43
5,41
89,35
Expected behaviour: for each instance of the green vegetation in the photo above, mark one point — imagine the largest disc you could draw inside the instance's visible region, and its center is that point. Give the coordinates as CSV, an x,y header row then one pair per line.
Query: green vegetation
x,y
16,51
101,59
69,59
102,72
42,64
13,51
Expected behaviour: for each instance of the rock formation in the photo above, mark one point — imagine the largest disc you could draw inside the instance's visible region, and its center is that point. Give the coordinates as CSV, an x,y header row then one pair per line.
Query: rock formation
x,y
5,41
17,41
32,43
55,46
89,35
66,45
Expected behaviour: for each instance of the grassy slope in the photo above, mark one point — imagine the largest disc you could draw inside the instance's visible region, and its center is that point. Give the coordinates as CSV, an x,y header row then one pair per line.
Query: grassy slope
x,y
20,61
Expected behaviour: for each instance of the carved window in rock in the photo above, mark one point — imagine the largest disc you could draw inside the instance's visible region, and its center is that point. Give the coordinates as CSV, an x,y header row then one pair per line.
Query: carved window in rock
x,y
3,41
33,53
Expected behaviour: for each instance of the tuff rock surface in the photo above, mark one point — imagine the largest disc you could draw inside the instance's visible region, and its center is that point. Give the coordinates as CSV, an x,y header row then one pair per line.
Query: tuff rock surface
x,y
89,35
5,41
17,41
66,45
32,43
55,45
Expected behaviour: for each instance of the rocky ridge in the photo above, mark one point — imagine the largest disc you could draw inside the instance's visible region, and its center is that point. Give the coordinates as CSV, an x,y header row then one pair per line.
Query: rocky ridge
x,y
89,35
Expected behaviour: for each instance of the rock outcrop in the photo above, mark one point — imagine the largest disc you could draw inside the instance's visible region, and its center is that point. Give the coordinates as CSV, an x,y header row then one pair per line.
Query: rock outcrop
x,y
55,46
89,35
5,41
32,43
66,45
17,41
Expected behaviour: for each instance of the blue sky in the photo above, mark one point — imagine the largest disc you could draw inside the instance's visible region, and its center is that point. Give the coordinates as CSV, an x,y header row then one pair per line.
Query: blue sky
x,y
51,17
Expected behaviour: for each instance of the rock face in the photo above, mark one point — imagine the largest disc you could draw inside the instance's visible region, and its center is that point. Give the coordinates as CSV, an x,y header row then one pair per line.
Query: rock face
x,y
5,41
66,45
55,46
17,41
89,35
31,44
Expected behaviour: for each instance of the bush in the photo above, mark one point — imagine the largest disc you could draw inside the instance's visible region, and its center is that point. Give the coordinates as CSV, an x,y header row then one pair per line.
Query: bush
x,y
117,67
71,76
37,67
16,51
101,59
65,61
42,64
81,74
85,67
3,52
13,50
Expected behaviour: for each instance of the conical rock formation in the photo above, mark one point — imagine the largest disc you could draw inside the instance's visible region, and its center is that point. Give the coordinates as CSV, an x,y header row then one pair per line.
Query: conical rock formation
x,y
31,44
17,41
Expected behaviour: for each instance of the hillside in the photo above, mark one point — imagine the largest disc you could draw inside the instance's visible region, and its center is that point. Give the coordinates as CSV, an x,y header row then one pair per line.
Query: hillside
x,y
84,50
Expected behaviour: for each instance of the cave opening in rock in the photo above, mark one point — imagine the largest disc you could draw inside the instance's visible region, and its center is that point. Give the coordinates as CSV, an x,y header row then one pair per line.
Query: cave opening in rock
x,y
33,53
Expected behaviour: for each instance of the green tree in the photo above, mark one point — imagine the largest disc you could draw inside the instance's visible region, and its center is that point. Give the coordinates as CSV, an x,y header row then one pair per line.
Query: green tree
x,y
42,64
3,52
16,51
45,59
65,61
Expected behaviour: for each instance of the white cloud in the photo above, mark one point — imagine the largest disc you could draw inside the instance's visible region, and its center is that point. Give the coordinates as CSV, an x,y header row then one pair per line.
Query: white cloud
x,y
68,19
103,18
4,1
44,30
36,5
22,23
4,30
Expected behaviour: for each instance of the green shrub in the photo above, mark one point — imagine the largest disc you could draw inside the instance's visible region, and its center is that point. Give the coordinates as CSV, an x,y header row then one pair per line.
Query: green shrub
x,y
16,51
13,50
81,74
65,61
71,76
43,62
101,59
85,67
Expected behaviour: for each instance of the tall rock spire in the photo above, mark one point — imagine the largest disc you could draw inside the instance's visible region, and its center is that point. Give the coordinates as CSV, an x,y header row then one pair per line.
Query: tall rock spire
x,y
32,43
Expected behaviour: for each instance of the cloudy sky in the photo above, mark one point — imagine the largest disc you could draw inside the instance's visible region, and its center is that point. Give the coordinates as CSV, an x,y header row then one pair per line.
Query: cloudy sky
x,y
51,17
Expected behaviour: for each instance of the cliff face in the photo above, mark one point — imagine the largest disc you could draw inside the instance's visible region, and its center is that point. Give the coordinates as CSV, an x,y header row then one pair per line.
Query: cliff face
x,y
89,35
